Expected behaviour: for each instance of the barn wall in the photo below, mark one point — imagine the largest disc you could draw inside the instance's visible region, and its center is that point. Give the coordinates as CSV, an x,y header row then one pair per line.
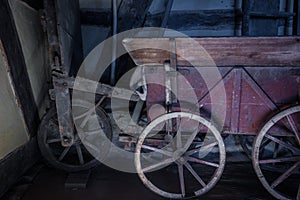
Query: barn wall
x,y
32,40
18,119
13,131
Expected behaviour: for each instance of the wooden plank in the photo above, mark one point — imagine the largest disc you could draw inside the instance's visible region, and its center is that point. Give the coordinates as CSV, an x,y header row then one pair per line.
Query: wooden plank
x,y
245,51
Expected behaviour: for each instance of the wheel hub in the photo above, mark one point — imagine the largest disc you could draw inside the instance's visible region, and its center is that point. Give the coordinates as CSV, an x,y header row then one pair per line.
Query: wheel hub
x,y
179,155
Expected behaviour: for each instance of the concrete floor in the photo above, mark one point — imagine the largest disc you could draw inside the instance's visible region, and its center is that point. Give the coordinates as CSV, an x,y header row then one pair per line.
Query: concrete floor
x,y
237,182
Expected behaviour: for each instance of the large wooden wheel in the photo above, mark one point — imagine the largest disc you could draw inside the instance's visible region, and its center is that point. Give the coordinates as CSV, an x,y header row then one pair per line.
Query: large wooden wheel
x,y
180,155
76,157
277,146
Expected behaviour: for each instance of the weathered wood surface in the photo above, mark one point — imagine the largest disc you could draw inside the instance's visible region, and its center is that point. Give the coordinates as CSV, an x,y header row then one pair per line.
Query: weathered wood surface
x,y
234,51
132,13
11,51
98,17
297,18
194,20
69,33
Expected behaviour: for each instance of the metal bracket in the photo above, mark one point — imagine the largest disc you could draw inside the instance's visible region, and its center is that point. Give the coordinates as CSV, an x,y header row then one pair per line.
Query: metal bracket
x,y
63,104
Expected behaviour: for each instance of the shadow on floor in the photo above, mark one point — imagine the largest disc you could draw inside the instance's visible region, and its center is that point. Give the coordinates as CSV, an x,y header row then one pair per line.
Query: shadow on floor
x,y
238,182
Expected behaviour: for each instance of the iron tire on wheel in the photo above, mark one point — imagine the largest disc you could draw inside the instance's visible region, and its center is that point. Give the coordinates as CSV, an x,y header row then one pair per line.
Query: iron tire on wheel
x,y
183,159
265,138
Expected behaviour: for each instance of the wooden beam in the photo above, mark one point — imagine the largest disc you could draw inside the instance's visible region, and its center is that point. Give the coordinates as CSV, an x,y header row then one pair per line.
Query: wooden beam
x,y
132,14
274,15
96,17
247,5
11,50
245,51
70,39
296,27
198,20
202,20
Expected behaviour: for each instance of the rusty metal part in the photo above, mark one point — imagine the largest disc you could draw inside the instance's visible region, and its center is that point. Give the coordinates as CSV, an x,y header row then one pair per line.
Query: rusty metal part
x,y
282,153
62,93
185,149
63,106
75,157
64,113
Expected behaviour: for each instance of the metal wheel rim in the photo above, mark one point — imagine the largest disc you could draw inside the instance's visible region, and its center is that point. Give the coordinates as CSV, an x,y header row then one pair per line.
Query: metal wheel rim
x,y
256,151
217,173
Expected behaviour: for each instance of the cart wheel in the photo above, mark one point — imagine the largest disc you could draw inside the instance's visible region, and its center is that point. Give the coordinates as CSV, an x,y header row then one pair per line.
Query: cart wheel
x,y
71,159
188,161
277,147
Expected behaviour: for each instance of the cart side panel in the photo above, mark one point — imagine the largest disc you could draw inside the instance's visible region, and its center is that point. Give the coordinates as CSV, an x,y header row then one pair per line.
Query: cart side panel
x,y
251,94
264,91
192,92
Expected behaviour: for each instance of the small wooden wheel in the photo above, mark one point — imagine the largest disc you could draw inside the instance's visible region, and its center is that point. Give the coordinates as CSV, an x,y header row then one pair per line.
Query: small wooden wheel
x,y
187,162
73,158
277,146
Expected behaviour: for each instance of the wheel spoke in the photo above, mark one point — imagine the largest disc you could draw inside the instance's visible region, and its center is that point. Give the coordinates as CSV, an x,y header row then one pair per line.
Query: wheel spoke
x,y
203,148
64,153
178,135
90,110
169,125
280,160
86,119
192,171
285,175
158,165
276,150
80,155
294,127
286,145
164,152
263,145
181,179
50,141
190,139
196,160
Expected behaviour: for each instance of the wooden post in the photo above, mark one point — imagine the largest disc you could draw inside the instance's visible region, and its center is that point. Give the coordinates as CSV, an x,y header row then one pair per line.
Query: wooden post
x,y
298,16
132,14
289,20
246,17
238,21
